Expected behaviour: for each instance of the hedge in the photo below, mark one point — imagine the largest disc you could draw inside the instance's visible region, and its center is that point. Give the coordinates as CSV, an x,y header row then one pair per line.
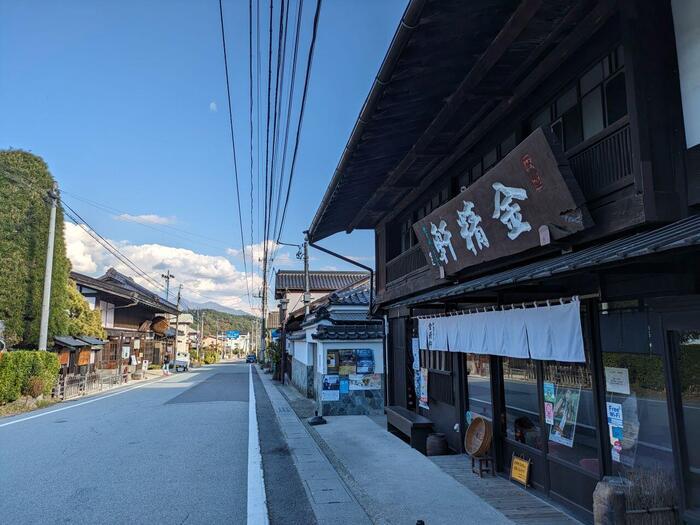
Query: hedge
x,y
19,370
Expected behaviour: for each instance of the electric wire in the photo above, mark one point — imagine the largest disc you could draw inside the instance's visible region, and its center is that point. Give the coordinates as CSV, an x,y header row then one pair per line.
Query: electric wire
x,y
233,148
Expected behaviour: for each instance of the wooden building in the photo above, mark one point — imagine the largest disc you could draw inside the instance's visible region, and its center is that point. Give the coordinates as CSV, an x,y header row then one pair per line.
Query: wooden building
x,y
518,152
134,318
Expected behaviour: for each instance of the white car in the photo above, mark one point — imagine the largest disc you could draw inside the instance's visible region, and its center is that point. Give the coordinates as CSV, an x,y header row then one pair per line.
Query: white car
x,y
182,362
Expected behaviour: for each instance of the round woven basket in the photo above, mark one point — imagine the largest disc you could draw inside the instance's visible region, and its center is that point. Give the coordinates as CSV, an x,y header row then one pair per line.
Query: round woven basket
x,y
477,440
159,325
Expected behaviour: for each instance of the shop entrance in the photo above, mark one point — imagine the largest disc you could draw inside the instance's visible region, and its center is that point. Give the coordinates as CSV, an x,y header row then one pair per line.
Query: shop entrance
x,y
546,412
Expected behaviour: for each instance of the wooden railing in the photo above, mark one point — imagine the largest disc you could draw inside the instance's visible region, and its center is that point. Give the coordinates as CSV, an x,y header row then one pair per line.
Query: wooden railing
x,y
601,165
409,261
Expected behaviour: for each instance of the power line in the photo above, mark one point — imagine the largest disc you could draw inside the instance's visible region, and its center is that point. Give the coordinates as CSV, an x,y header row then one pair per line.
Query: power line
x,y
233,147
309,63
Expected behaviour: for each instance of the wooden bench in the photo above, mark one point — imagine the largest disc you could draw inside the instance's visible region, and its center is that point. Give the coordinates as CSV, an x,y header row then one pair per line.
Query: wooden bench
x,y
414,426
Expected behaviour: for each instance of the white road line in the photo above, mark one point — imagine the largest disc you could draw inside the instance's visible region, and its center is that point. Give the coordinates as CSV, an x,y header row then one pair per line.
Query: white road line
x,y
257,505
80,404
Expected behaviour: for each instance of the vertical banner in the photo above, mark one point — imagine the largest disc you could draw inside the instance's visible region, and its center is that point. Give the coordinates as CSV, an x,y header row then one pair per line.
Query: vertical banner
x,y
416,354
423,397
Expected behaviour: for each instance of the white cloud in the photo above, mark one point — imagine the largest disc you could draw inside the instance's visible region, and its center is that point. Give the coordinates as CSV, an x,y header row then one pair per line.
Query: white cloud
x,y
213,107
147,218
282,258
214,276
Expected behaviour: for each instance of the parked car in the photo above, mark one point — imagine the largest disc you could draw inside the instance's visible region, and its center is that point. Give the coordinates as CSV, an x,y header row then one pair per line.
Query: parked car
x,y
250,358
182,362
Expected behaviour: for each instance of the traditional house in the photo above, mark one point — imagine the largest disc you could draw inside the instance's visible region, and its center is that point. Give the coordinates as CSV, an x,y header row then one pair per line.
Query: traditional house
x,y
133,317
338,352
531,172
289,284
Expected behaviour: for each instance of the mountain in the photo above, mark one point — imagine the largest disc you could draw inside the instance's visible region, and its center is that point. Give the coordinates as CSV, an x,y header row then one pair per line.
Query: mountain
x,y
221,321
211,305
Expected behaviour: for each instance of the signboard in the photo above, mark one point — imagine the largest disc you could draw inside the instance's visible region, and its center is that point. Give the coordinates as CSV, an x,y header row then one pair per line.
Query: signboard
x,y
520,470
528,199
330,388
84,357
365,381
126,351
64,357
233,334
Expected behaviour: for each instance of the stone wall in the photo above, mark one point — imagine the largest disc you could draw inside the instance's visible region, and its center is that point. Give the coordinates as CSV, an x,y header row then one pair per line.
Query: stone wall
x,y
354,403
303,377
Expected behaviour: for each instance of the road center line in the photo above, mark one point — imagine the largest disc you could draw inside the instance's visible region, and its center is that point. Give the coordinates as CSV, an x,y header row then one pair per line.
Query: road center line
x,y
257,505
81,403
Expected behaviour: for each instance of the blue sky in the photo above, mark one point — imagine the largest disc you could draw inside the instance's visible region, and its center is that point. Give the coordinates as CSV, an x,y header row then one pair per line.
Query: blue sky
x,y
126,102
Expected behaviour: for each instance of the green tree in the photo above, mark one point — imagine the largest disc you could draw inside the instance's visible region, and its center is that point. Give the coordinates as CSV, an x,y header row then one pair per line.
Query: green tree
x,y
24,226
81,319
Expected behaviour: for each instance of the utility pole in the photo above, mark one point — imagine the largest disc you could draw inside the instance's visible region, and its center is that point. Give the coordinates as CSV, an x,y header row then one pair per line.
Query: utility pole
x,y
167,276
177,322
46,301
263,320
307,286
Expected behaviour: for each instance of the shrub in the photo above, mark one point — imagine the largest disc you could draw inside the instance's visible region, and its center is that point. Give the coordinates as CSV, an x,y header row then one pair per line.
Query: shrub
x,y
35,386
211,357
27,372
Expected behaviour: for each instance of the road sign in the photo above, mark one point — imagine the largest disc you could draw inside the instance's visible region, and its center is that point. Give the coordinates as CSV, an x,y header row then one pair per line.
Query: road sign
x,y
233,334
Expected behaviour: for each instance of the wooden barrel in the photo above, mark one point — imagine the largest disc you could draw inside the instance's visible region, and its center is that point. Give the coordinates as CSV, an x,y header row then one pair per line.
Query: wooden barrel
x,y
477,440
436,445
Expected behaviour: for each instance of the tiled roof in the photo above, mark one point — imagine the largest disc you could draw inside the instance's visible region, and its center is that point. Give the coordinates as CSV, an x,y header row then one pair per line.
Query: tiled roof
x,y
349,332
319,281
682,234
120,285
355,296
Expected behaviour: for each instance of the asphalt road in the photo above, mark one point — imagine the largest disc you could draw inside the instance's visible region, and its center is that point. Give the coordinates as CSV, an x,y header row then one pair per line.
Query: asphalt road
x,y
171,451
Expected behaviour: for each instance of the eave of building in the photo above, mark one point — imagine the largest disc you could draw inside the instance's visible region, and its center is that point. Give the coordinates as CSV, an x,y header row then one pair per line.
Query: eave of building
x,y
423,111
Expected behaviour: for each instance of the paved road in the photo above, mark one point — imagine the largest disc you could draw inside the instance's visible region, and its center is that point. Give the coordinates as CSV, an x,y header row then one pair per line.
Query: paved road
x,y
171,451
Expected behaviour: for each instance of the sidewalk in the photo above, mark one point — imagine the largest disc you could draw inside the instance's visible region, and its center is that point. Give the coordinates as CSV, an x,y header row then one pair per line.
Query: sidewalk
x,y
385,480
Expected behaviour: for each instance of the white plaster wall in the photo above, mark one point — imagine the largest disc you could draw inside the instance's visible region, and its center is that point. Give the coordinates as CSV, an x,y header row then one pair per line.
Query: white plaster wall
x,y
686,21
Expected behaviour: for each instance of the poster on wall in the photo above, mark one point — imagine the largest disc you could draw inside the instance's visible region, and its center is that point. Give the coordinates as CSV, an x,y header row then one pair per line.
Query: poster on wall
x,y
332,361
330,389
416,382
549,399
423,398
617,380
416,353
344,385
125,352
365,361
565,415
347,362
365,381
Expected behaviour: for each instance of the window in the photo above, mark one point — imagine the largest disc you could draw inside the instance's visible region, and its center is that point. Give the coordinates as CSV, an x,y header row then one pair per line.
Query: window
x,y
571,431
507,145
597,100
490,159
522,410
479,385
688,359
640,443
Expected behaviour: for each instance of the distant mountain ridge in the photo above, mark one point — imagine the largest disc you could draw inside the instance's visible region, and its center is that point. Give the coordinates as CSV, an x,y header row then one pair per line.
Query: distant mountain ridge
x,y
211,305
